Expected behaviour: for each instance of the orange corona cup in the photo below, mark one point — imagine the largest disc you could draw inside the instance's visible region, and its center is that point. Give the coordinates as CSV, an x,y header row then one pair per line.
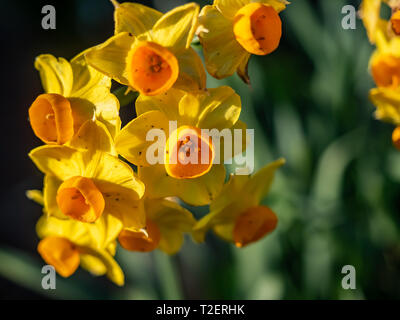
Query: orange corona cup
x,y
395,21
153,69
189,153
258,28
253,224
80,199
140,240
51,118
385,70
61,253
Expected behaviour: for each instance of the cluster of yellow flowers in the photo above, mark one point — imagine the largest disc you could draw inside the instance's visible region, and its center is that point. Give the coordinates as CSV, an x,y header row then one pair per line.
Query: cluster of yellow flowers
x,y
385,61
91,197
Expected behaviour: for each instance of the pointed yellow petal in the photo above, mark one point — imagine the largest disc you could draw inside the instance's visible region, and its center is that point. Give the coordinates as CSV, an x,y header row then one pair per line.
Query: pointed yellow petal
x,y
199,191
387,102
223,54
220,108
131,142
192,75
229,7
135,18
91,96
176,28
110,57
35,195
50,187
167,103
278,5
242,70
56,74
59,161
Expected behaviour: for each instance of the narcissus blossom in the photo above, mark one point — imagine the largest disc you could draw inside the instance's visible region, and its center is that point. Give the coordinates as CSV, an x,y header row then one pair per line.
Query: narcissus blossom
x,y
85,180
196,184
66,244
166,223
150,52
74,93
232,30
236,214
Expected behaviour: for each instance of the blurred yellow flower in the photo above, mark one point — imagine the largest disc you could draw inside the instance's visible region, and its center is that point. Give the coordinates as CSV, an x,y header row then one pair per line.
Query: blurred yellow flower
x,y
231,30
166,223
236,214
86,180
74,93
150,52
196,184
66,244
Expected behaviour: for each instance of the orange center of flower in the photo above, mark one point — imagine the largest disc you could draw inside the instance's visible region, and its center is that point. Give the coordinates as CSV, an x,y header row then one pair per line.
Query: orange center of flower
x,y
396,137
79,198
188,153
253,224
395,20
51,118
386,71
141,241
258,28
61,253
153,69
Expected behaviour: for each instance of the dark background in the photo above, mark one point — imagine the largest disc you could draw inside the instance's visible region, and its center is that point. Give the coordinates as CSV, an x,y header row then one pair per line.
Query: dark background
x,y
337,198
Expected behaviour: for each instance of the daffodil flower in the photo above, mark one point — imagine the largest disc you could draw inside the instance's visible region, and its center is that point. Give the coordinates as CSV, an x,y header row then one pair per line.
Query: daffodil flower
x,y
74,93
150,52
370,13
231,31
236,214
194,183
86,180
166,223
66,244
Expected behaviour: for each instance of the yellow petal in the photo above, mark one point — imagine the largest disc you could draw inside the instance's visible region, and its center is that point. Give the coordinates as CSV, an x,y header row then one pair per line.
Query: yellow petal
x,y
91,95
387,102
220,108
122,202
242,70
131,141
93,264
167,103
257,187
59,161
35,195
50,187
172,220
110,57
222,53
56,74
370,14
134,18
176,28
278,5
199,191
229,7
192,75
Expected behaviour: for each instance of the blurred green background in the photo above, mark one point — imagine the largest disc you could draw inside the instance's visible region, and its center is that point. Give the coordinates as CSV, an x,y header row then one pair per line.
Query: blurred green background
x,y
337,198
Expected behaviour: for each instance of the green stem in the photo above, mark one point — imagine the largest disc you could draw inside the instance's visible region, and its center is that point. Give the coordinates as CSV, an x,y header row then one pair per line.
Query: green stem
x,y
167,276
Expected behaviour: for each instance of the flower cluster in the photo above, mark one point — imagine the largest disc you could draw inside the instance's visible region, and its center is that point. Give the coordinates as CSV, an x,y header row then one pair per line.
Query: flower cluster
x,y
100,186
385,61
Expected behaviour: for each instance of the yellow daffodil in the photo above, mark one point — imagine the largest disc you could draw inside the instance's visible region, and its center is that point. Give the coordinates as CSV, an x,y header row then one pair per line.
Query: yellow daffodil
x,y
66,244
150,52
236,214
195,183
166,222
85,180
74,93
370,13
231,30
